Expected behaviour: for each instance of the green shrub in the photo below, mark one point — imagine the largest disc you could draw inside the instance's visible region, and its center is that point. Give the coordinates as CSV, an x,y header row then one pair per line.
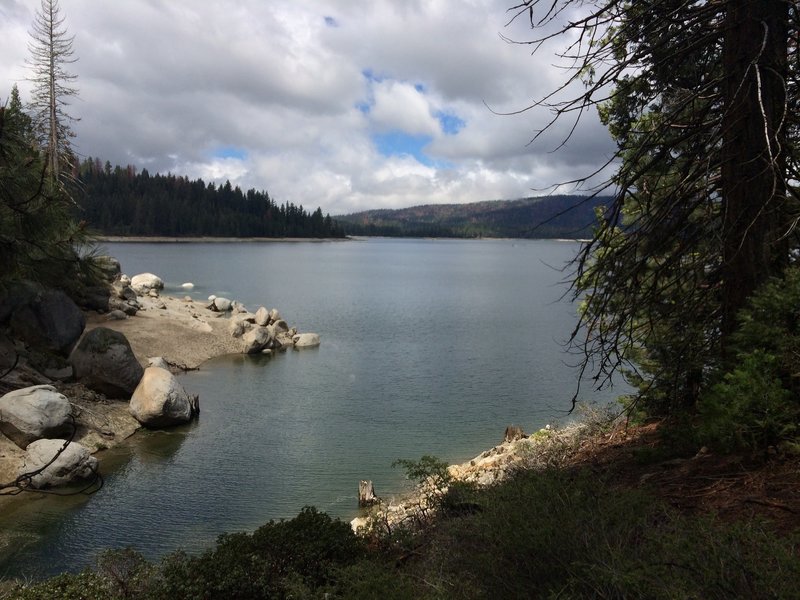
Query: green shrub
x,y
311,547
427,471
560,535
86,585
750,408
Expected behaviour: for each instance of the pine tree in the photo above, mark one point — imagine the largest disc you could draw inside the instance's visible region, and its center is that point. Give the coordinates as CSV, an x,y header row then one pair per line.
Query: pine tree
x,y
701,99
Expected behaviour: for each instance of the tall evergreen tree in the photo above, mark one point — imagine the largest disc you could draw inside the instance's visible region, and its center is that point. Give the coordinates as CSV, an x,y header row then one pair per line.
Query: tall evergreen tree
x,y
53,85
700,97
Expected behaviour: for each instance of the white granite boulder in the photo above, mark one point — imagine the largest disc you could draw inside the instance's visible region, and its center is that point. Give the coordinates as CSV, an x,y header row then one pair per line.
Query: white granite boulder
x,y
280,326
104,361
240,325
160,400
274,315
158,361
33,413
144,282
255,340
222,304
306,340
262,316
74,463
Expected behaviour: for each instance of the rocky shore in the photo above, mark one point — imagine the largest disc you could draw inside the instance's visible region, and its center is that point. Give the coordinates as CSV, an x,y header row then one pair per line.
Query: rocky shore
x,y
547,447
76,380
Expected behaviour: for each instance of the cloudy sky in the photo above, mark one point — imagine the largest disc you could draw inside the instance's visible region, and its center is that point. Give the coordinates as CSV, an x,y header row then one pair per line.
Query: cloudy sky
x,y
344,104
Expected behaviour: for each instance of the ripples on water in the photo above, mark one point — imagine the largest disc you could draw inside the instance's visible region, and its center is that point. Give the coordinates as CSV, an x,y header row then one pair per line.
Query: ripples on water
x,y
428,347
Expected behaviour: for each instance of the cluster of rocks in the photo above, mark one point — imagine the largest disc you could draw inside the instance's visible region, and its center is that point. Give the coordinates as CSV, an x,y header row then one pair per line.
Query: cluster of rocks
x,y
49,346
41,421
51,349
263,331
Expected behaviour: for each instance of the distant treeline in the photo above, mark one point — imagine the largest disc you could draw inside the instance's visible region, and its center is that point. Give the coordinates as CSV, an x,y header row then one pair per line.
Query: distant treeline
x,y
121,201
541,217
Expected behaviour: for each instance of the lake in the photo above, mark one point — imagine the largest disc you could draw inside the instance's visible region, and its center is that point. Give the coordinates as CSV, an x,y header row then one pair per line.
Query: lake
x,y
428,347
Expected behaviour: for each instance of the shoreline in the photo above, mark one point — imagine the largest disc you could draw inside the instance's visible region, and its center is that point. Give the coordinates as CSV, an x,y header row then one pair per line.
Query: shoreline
x,y
158,239
182,331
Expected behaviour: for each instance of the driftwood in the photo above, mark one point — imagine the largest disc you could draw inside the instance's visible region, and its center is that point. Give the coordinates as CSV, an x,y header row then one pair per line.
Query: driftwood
x,y
366,494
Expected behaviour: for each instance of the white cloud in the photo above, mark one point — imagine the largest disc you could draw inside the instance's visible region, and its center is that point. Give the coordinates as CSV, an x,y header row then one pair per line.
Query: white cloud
x,y
400,106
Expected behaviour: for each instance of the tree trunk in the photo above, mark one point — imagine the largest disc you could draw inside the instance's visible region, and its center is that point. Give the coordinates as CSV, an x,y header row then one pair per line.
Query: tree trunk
x,y
366,494
753,153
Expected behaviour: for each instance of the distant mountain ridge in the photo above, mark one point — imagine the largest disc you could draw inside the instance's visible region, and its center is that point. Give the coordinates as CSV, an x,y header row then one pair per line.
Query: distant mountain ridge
x,y
561,216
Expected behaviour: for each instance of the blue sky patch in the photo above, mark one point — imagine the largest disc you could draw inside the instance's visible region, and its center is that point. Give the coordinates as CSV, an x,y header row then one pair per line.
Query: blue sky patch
x,y
397,143
450,123
372,76
230,152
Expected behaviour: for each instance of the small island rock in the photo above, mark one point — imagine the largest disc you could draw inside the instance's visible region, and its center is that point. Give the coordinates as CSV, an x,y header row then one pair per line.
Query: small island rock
x,y
306,340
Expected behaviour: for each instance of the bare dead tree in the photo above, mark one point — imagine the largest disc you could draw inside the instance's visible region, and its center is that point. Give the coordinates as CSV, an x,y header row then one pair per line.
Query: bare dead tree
x,y
53,85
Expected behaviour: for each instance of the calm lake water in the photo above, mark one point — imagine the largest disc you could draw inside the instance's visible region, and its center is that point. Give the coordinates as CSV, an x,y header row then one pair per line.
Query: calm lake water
x,y
428,347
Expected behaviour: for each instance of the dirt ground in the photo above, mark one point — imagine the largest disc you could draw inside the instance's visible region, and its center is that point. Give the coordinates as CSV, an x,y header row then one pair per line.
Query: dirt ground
x,y
182,332
732,487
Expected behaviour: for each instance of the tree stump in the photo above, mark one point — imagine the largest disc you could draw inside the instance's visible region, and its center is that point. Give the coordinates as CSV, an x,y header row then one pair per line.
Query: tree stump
x,y
513,433
366,494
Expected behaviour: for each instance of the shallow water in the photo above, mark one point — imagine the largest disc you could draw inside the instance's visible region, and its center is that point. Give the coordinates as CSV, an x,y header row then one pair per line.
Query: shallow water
x,y
428,347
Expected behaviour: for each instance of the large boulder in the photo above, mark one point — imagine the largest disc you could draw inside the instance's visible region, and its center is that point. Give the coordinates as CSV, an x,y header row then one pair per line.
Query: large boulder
x,y
144,282
255,340
306,340
109,267
72,463
262,316
49,320
280,326
222,304
33,413
160,400
16,294
103,361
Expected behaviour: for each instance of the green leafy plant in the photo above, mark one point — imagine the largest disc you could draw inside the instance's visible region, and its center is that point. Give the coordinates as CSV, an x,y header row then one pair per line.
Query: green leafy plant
x,y
749,408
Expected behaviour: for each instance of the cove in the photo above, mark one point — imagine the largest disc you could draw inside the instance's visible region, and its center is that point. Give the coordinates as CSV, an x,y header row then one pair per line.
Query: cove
x,y
428,347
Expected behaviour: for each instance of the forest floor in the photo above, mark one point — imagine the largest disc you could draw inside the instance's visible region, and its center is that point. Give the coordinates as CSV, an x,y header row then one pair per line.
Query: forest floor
x,y
733,487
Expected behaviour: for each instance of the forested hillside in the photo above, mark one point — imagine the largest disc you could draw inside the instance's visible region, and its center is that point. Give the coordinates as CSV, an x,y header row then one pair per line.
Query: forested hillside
x,y
120,201
542,217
